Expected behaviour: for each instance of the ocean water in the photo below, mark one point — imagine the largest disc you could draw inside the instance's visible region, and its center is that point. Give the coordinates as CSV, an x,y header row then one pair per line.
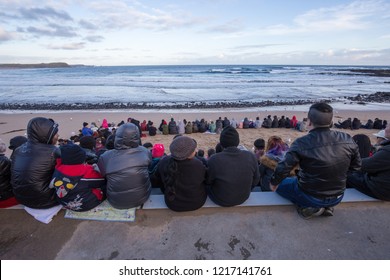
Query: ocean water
x,y
170,84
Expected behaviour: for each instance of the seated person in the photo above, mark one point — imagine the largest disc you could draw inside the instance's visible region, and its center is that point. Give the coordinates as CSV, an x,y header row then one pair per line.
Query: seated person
x,y
274,153
232,173
77,185
126,169
324,156
7,198
181,176
33,165
374,177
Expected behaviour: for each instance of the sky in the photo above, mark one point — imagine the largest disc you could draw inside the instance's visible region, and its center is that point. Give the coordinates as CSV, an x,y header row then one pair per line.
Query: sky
x,y
195,32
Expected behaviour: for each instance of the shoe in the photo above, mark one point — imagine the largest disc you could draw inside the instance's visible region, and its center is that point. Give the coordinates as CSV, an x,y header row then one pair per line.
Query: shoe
x,y
310,212
328,212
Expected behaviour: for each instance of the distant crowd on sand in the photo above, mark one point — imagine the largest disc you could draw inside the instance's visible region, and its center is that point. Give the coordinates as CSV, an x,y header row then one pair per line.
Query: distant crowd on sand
x,y
110,162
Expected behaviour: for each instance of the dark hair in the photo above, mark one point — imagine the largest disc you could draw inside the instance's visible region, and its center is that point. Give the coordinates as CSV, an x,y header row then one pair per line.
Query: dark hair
x,y
321,114
171,171
148,145
364,143
218,148
200,153
210,152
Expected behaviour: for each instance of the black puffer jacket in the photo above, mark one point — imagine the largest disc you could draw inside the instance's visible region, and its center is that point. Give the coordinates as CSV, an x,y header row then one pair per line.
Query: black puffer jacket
x,y
33,165
5,178
324,157
126,169
377,171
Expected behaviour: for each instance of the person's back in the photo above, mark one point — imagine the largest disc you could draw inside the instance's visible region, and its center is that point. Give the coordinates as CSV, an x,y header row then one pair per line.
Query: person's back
x,y
33,165
77,185
86,131
181,127
6,195
126,169
232,173
377,124
165,129
274,153
188,128
374,177
364,144
356,124
245,123
324,158
152,130
275,122
181,176
172,127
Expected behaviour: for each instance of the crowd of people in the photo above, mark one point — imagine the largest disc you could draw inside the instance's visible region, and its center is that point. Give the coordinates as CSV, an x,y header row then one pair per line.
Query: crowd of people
x,y
110,162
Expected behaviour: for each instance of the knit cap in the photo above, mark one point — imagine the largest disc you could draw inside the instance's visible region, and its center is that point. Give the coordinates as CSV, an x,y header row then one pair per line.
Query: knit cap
x,y
16,142
229,137
87,142
182,147
72,154
158,150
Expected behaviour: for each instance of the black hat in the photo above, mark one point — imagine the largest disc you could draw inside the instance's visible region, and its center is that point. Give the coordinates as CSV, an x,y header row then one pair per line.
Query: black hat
x,y
16,142
182,147
87,142
229,137
259,143
72,154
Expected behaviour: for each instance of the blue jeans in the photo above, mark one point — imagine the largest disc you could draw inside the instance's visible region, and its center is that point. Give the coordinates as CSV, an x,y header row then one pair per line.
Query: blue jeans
x,y
289,189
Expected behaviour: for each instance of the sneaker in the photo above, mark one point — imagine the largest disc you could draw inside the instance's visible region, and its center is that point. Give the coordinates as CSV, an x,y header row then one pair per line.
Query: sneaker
x,y
328,212
310,212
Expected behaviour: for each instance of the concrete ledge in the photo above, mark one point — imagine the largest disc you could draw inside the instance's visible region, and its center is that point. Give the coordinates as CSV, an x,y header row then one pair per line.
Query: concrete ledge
x,y
156,201
257,198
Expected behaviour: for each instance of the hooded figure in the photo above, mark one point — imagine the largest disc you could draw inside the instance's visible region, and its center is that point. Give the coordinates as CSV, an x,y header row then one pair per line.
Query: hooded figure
x,y
126,169
33,165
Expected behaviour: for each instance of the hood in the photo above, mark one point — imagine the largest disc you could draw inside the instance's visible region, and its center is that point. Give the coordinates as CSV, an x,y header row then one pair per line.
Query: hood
x,y
127,136
41,130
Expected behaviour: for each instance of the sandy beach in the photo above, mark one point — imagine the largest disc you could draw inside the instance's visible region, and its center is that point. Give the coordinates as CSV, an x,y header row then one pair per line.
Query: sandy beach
x,y
15,123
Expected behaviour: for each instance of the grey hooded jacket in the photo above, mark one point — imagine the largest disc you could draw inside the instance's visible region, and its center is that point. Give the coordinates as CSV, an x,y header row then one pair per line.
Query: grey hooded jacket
x,y
126,169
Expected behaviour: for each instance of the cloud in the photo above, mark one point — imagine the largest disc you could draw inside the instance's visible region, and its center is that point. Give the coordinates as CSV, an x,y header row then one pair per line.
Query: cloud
x,y
358,15
232,26
122,15
71,46
88,25
249,47
47,13
52,30
5,36
94,38
357,54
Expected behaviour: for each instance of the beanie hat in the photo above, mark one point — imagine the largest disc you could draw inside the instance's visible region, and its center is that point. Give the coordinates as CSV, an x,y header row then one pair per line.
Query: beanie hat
x,y
158,150
87,142
229,137
16,142
182,147
72,154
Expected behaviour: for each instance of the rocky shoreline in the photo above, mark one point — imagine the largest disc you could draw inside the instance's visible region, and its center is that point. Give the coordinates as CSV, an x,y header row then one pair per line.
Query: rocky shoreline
x,y
378,97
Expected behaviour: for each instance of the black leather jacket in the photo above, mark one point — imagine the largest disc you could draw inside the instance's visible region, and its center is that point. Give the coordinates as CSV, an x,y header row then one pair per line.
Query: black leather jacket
x,y
324,157
33,166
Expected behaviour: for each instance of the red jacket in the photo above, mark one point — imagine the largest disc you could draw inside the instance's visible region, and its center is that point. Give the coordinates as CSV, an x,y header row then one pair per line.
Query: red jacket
x,y
78,187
